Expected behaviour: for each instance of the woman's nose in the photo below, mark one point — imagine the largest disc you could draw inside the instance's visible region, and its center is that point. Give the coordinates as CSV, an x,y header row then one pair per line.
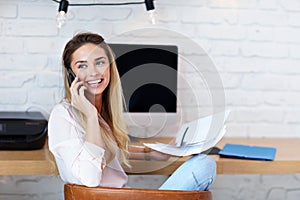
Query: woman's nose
x,y
94,71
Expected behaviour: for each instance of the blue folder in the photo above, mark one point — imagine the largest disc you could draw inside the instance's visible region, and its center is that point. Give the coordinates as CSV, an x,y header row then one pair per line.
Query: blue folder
x,y
248,152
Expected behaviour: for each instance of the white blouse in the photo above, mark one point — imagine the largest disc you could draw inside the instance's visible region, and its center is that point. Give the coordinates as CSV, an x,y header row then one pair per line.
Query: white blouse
x,y
78,161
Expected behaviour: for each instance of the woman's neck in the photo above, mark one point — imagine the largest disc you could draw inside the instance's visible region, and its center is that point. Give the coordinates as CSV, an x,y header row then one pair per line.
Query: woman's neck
x,y
96,100
98,103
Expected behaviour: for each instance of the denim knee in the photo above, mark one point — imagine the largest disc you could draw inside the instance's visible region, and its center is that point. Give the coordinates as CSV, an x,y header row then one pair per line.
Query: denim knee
x,y
197,173
207,165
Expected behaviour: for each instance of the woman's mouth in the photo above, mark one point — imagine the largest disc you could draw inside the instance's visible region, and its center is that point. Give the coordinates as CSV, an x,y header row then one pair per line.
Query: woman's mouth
x,y
95,83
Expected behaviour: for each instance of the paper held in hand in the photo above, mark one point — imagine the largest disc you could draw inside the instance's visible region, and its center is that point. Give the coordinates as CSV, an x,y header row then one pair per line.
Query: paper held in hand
x,y
196,136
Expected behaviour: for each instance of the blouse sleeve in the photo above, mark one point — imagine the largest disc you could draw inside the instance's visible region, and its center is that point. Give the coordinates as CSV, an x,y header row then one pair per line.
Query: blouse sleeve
x,y
83,159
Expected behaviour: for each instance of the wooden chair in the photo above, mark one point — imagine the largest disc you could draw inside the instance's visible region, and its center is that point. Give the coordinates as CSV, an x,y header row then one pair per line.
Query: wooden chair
x,y
78,192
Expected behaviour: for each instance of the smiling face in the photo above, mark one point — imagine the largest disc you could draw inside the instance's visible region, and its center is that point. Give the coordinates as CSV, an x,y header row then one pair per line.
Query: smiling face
x,y
91,65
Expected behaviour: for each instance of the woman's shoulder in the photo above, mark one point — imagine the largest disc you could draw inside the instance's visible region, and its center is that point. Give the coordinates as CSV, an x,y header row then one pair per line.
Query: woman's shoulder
x,y
62,108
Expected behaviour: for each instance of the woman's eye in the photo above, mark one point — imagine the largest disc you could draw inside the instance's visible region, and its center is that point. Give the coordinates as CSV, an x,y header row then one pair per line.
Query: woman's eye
x,y
82,66
99,63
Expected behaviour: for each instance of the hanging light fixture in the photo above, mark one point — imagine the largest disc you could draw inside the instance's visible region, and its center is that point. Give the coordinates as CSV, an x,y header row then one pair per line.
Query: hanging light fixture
x,y
151,10
62,11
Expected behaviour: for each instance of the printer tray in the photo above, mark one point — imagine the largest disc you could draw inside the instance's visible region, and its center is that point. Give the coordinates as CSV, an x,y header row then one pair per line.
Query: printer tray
x,y
23,142
22,130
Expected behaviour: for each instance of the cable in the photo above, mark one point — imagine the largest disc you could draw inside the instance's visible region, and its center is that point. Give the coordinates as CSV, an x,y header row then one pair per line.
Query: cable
x,y
103,4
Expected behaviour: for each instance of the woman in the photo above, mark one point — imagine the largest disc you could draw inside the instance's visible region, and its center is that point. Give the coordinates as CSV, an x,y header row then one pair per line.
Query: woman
x,y
87,131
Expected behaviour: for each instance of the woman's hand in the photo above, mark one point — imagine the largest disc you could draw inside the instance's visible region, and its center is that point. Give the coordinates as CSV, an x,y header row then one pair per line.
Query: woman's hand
x,y
78,99
138,153
155,155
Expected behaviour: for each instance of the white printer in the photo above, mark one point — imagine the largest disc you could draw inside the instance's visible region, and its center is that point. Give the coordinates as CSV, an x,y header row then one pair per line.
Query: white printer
x,y
22,130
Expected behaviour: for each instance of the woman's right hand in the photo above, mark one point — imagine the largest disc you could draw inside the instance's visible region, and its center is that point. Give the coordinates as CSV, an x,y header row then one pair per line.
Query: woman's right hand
x,y
78,99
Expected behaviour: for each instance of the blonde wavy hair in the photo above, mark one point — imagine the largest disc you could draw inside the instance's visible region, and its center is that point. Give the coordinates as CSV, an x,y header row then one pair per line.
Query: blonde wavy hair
x,y
112,97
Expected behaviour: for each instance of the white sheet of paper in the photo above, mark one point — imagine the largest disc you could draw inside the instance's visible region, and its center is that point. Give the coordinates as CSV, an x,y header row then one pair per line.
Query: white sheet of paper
x,y
188,149
201,129
195,137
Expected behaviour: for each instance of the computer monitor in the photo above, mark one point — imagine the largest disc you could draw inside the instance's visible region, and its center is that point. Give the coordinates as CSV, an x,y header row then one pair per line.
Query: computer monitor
x,y
148,76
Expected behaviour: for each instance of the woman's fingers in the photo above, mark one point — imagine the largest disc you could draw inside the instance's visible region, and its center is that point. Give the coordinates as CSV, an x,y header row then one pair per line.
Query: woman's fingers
x,y
81,91
75,86
76,98
159,156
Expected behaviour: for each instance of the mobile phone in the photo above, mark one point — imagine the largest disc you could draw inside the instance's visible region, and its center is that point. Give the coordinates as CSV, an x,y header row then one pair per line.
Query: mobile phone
x,y
71,76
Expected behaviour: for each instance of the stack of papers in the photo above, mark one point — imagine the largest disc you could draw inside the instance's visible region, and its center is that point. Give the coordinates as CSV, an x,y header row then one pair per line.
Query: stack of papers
x,y
196,136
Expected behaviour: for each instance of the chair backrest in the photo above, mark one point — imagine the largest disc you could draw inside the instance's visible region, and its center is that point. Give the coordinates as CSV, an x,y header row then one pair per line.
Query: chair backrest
x,y
78,192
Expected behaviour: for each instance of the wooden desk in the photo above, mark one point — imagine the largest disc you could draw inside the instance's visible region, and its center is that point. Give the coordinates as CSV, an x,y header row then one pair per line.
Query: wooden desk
x,y
287,160
33,162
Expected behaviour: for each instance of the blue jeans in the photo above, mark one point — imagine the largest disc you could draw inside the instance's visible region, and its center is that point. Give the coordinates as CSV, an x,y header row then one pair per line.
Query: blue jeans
x,y
197,173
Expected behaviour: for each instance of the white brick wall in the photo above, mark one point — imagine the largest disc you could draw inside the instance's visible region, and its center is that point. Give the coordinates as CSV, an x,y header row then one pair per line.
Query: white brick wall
x,y
254,43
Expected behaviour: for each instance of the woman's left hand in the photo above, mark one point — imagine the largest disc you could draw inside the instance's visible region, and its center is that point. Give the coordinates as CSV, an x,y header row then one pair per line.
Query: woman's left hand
x,y
138,153
155,155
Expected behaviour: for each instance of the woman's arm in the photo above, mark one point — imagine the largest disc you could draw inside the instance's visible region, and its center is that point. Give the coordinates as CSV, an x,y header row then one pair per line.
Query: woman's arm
x,y
80,102
81,162
93,131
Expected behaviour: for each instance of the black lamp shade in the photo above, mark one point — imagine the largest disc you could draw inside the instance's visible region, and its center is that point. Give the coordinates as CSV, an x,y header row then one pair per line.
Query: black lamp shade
x,y
63,6
149,5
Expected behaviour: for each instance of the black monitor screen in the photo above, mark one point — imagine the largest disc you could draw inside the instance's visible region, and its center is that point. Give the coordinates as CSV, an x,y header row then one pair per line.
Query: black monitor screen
x,y
148,76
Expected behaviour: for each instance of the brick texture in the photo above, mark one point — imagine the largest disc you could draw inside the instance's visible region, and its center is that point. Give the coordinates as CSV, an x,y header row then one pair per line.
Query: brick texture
x,y
253,47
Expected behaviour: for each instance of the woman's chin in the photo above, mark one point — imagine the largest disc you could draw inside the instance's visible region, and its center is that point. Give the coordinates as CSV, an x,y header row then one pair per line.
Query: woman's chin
x,y
94,91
